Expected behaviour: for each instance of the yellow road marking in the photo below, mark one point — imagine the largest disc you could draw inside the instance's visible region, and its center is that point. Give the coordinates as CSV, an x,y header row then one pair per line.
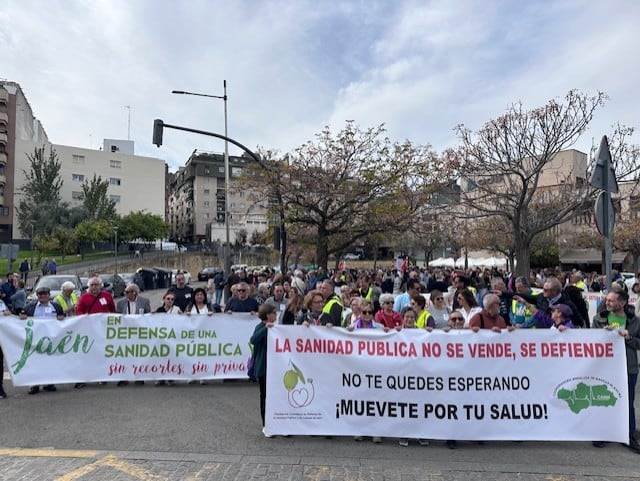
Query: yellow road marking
x,y
109,460
48,453
208,468
115,463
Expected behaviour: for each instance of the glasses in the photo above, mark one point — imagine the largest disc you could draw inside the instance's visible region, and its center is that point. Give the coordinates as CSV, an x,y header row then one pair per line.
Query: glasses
x,y
438,299
43,293
388,302
457,319
241,290
368,312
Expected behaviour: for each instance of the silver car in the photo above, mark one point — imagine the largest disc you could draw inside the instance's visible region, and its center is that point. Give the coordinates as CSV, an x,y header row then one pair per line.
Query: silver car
x,y
54,283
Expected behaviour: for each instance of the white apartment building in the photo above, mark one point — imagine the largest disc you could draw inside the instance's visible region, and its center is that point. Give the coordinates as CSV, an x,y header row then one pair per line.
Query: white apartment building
x,y
135,182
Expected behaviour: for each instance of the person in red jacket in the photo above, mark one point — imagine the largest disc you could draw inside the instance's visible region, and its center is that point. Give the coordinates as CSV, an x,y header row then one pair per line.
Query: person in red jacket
x,y
95,300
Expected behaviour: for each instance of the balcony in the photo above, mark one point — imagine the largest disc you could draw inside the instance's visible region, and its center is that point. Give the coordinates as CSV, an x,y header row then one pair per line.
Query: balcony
x,y
3,179
4,118
3,138
3,158
4,96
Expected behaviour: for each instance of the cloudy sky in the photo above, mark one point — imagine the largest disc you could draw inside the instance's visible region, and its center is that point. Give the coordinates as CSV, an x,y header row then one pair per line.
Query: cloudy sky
x,y
294,66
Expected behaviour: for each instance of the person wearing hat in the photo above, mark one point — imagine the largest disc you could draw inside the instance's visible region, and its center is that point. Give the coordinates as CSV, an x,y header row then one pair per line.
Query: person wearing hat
x,y
43,307
561,315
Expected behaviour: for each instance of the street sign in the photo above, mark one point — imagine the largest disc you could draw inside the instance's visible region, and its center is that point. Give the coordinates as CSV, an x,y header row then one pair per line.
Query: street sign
x,y
605,229
9,251
603,175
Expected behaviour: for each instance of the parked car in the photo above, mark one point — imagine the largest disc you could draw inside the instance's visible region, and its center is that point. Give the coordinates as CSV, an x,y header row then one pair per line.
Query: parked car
x,y
54,283
133,278
116,284
187,276
351,257
208,273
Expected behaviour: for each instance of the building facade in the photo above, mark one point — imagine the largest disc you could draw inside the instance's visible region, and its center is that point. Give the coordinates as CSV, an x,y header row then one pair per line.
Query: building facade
x,y
17,124
197,201
135,182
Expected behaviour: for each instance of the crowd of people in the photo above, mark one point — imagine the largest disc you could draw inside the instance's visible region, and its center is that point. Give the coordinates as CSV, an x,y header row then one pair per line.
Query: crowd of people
x,y
475,299
386,299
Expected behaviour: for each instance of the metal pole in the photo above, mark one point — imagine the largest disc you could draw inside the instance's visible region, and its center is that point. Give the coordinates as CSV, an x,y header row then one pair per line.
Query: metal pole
x,y
31,223
227,180
115,250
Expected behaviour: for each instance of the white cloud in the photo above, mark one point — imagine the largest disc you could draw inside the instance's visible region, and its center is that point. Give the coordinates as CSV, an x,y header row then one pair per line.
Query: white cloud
x,y
294,66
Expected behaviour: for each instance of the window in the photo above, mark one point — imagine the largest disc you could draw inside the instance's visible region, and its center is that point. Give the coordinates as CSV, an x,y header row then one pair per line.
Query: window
x,y
115,164
115,198
78,159
206,215
206,191
4,211
114,181
205,203
77,177
75,195
114,148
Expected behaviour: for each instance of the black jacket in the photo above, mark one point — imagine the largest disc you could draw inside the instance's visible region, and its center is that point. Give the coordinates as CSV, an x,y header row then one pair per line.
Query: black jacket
x,y
30,308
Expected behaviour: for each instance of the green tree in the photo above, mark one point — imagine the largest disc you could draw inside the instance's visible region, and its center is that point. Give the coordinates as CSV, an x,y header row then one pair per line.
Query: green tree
x,y
142,225
65,240
41,205
90,231
96,202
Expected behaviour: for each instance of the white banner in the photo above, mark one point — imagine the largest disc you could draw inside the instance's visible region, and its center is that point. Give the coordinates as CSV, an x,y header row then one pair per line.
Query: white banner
x,y
113,347
530,384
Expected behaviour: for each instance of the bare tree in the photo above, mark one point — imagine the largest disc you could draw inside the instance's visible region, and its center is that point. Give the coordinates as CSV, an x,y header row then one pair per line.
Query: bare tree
x,y
341,188
501,167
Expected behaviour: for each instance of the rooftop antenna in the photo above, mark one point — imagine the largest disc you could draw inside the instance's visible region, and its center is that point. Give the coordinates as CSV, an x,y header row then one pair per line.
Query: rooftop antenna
x,y
128,107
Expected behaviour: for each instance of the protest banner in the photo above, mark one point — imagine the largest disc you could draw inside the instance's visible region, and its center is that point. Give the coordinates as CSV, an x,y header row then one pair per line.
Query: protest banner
x,y
114,347
530,384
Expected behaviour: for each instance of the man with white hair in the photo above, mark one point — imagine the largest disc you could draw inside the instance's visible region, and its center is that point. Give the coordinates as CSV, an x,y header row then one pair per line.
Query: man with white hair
x,y
67,299
95,300
488,318
133,303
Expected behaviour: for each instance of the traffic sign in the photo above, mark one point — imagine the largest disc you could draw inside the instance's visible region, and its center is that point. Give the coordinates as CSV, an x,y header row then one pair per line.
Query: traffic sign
x,y
605,229
603,175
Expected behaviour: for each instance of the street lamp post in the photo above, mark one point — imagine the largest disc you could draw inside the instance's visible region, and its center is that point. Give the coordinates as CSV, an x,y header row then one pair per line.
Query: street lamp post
x,y
227,176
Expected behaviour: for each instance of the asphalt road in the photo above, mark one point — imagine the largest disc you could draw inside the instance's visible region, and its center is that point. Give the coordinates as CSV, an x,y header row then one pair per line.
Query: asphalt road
x,y
213,432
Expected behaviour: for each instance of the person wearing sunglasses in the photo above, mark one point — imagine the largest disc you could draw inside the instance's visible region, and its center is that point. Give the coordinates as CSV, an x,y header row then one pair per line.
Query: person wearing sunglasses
x,y
365,321
439,310
133,303
365,317
242,302
387,316
168,305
